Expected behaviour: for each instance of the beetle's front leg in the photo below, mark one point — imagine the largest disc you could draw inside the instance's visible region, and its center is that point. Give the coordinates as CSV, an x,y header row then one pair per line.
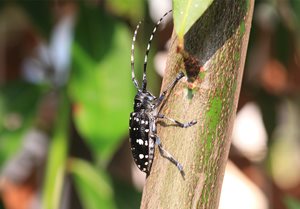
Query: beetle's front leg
x,y
171,86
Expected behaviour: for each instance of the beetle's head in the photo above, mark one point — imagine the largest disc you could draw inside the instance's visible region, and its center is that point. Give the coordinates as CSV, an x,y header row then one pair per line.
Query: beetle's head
x,y
143,101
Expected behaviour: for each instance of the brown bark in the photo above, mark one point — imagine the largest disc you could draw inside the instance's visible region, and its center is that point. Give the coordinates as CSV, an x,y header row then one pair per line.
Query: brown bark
x,y
218,42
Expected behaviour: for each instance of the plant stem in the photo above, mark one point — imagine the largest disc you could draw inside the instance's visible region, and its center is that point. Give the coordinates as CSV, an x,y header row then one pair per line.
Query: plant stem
x,y
218,41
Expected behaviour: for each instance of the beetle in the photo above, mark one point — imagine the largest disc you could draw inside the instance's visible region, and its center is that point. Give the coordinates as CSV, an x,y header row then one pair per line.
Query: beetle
x,y
142,122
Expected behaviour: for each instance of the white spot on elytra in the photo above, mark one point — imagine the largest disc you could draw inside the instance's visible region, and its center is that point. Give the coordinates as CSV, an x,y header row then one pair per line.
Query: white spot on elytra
x,y
146,122
140,141
146,143
141,156
146,130
146,156
142,121
146,163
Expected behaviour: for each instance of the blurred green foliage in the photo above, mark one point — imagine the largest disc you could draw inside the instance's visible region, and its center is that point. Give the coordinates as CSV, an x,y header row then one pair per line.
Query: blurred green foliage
x,y
18,103
98,95
94,186
292,203
100,84
57,157
39,14
132,9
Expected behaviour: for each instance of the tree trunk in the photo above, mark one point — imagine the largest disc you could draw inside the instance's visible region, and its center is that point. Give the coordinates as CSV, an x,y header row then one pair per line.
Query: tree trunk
x,y
217,42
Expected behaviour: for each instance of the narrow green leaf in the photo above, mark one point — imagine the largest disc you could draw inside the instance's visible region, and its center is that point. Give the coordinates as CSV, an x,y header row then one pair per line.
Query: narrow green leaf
x,y
56,164
186,13
93,186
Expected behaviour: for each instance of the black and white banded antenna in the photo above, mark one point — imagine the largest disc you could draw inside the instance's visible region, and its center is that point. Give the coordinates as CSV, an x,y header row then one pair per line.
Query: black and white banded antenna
x,y
144,84
132,56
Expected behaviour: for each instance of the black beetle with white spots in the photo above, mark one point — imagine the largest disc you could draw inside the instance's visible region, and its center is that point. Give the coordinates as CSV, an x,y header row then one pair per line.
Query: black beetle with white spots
x,y
142,123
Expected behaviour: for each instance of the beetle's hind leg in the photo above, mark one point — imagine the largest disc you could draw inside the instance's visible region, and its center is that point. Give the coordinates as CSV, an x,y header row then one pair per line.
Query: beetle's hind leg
x,y
164,153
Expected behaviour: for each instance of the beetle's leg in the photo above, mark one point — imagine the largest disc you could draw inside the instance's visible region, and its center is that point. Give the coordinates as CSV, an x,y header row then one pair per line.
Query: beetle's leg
x,y
164,153
171,86
182,125
151,152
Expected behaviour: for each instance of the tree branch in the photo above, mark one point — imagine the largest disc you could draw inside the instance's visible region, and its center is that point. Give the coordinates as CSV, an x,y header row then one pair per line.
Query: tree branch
x,y
218,42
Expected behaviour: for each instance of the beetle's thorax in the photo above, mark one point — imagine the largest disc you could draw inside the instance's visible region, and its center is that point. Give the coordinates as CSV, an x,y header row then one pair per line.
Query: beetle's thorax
x,y
143,101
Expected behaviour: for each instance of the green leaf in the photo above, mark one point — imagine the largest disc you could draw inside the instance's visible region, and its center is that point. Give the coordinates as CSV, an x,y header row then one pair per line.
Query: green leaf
x,y
55,171
186,13
93,186
100,84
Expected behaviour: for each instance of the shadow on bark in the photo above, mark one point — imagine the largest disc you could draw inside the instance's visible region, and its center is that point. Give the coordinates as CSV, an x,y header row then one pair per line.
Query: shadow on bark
x,y
215,26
